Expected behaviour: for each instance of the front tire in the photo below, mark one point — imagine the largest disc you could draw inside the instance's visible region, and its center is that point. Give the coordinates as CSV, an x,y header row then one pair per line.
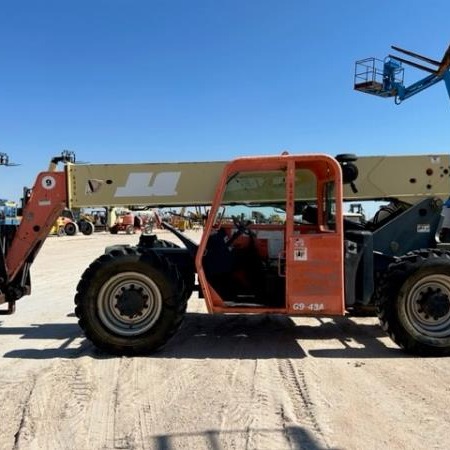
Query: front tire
x,y
130,303
414,306
71,229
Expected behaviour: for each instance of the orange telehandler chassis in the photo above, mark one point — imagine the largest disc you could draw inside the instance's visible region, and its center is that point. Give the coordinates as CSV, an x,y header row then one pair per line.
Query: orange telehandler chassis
x,y
300,257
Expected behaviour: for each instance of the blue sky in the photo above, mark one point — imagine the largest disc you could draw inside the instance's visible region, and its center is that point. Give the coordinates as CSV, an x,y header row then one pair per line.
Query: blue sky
x,y
177,80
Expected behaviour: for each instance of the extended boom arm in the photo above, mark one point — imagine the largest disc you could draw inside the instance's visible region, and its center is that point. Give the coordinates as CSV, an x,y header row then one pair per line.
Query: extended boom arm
x,y
410,178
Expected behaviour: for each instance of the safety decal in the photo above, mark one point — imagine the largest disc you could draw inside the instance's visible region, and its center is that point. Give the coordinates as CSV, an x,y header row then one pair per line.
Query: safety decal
x,y
300,251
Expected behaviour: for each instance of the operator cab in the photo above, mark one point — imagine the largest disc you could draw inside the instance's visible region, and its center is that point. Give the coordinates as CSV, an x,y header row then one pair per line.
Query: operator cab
x,y
262,248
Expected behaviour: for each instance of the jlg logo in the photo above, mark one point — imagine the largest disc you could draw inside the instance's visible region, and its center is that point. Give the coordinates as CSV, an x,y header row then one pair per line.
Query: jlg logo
x,y
147,184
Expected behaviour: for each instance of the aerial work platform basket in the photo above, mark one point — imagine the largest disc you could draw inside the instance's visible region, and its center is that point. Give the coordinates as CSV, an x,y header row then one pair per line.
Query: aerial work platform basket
x,y
384,78
375,76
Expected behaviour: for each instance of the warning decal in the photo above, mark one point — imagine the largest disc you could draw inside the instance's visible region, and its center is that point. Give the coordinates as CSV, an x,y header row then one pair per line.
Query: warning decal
x,y
300,251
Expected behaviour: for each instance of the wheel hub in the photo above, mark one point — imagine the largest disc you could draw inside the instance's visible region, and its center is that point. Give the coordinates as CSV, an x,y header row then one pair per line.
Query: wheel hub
x,y
433,303
131,301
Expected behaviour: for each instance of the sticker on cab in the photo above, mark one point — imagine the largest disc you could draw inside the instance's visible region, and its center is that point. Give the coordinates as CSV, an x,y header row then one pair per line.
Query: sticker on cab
x,y
300,250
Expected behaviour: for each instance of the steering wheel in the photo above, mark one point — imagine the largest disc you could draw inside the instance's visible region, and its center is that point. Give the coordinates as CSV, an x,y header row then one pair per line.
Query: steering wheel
x,y
242,228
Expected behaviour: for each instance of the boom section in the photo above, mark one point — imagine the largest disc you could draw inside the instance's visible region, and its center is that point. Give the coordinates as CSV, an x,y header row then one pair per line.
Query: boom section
x,y
410,178
156,184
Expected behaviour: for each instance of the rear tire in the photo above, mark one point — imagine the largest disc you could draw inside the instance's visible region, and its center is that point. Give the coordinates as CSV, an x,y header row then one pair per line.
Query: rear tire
x,y
414,305
86,227
130,303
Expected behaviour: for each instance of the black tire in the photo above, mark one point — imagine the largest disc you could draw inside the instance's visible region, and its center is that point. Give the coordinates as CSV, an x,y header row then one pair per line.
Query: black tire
x,y
86,227
71,229
113,230
414,303
130,303
129,229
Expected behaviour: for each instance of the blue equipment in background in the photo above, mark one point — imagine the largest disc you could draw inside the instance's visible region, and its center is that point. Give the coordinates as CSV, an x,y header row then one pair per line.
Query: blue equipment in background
x,y
385,78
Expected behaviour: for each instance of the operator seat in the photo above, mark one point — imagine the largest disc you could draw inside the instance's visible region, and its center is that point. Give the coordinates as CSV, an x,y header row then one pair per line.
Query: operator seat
x,y
310,215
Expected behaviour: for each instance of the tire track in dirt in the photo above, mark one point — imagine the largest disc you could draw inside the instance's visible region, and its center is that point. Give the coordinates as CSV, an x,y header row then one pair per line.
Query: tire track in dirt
x,y
54,412
101,414
138,406
243,401
401,397
102,408
187,400
298,407
76,404
240,400
152,401
237,421
185,391
261,402
14,398
126,405
179,403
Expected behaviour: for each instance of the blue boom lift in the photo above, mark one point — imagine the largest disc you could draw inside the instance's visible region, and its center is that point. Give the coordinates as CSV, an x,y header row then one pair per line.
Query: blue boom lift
x,y
385,78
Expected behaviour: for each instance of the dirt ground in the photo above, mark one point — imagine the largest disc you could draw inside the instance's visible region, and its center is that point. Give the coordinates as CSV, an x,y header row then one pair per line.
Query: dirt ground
x,y
224,382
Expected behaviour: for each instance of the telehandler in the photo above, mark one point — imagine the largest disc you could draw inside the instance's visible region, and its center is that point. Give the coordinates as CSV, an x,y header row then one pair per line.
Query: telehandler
x,y
301,258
